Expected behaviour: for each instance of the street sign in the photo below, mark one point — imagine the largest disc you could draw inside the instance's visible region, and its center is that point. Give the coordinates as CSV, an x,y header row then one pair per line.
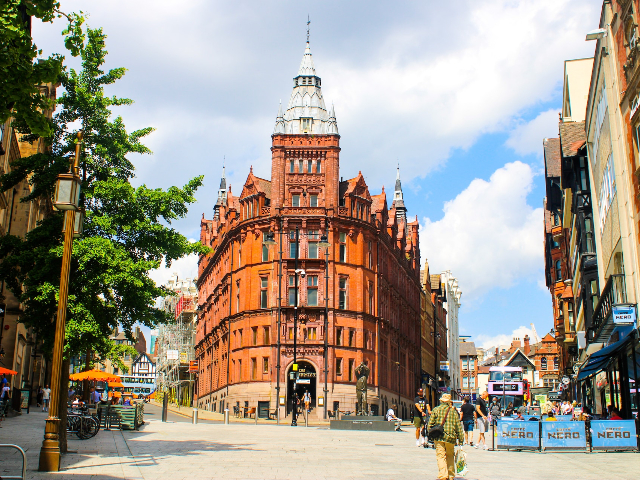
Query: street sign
x,y
183,357
193,366
304,380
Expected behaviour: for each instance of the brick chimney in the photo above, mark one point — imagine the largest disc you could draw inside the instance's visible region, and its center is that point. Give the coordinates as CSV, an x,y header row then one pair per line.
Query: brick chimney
x,y
527,348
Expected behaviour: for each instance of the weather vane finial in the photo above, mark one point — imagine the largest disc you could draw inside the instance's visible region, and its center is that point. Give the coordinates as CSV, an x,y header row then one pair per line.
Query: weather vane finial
x,y
308,22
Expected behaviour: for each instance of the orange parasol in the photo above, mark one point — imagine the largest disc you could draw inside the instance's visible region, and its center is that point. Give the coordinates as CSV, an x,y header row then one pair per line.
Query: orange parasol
x,y
117,394
116,385
6,371
94,375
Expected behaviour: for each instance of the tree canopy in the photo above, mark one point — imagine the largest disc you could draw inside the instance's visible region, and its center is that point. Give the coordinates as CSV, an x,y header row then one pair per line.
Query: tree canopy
x,y
21,71
127,230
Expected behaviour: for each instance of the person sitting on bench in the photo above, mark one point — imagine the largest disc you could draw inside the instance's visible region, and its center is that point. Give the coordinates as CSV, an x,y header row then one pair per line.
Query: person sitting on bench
x,y
391,416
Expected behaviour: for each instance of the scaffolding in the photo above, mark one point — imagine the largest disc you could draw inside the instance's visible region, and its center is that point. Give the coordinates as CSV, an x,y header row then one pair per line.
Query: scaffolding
x,y
176,342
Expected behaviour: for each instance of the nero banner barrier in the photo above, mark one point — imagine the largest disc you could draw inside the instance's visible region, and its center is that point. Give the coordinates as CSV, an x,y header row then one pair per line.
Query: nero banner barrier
x,y
518,434
563,435
613,435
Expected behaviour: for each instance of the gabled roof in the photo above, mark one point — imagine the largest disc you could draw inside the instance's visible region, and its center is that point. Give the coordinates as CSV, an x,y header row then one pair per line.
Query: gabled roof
x,y
355,186
468,348
552,156
519,353
572,137
548,338
256,185
378,202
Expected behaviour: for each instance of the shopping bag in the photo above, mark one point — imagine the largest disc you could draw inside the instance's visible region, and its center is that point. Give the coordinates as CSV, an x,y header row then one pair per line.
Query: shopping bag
x,y
460,458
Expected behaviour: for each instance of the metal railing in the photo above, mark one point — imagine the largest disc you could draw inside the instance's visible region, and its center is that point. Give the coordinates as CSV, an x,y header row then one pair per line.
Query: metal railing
x,y
24,463
613,293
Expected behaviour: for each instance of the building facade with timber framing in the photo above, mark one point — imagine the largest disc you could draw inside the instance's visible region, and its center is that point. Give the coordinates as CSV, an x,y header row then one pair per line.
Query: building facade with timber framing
x,y
244,339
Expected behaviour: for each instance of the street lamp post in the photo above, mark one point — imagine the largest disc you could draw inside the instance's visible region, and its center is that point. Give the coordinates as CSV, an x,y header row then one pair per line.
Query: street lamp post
x,y
67,197
324,242
294,397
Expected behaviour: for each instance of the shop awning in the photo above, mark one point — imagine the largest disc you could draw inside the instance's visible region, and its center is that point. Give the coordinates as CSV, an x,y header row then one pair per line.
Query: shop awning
x,y
600,359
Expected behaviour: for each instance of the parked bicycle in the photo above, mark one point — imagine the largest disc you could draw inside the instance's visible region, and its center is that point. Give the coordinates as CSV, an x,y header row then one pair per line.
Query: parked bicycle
x,y
83,424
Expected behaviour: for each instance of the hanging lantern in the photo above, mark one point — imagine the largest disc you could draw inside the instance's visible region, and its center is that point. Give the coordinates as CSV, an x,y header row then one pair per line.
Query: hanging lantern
x,y
67,194
78,222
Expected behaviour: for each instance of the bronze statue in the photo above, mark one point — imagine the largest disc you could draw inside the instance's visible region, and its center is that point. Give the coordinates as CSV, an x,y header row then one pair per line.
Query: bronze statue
x,y
362,373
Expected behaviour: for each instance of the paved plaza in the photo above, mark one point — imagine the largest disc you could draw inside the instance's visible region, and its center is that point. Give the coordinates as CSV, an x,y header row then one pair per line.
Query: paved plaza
x,y
179,450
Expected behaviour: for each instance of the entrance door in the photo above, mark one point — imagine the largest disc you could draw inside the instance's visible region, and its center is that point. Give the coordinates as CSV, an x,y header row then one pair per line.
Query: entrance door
x,y
306,382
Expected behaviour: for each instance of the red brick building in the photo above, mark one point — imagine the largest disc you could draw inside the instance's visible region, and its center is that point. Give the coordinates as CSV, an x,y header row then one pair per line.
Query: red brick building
x,y
245,331
546,358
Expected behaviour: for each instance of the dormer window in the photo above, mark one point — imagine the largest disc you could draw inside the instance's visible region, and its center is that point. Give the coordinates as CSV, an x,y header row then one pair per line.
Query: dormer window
x,y
306,124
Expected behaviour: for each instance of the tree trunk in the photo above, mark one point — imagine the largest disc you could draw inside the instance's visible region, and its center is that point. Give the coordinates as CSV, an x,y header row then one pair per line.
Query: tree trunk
x,y
64,393
85,383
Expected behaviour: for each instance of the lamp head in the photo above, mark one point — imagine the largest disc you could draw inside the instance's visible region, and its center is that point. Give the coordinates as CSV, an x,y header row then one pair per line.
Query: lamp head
x,y
596,34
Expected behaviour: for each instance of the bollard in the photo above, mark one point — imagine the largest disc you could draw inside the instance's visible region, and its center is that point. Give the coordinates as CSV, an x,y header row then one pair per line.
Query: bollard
x,y
255,415
306,419
165,400
194,418
226,416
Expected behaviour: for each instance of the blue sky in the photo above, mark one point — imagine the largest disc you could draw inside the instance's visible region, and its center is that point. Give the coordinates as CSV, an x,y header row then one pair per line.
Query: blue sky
x,y
460,93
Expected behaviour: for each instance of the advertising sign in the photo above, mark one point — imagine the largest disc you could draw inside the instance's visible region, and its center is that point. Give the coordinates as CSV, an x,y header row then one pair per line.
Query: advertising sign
x,y
518,434
563,435
183,357
613,434
24,399
172,354
444,366
624,314
193,366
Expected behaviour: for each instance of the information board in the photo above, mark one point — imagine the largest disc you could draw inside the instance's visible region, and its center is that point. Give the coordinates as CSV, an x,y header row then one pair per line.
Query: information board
x,y
518,434
563,435
613,434
24,399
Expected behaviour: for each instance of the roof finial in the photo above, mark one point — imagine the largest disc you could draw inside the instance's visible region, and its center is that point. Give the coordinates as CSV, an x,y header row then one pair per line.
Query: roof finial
x,y
308,22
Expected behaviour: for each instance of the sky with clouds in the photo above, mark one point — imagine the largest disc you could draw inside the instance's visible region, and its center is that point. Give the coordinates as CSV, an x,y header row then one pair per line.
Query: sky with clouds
x,y
460,93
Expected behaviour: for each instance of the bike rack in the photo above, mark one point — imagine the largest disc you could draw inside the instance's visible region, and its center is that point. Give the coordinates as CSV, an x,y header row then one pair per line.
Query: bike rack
x,y
24,463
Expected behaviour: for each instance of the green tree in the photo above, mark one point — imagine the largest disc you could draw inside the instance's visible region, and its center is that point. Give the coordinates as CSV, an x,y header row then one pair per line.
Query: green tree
x,y
127,230
21,72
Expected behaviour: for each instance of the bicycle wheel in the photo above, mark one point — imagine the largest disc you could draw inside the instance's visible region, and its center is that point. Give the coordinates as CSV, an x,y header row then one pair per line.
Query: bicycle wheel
x,y
92,426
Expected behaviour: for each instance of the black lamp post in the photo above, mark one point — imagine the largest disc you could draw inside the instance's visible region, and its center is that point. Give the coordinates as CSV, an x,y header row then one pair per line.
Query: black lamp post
x,y
324,243
294,397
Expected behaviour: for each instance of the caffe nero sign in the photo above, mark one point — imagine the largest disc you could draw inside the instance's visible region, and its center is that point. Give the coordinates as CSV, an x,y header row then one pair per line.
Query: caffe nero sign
x,y
624,314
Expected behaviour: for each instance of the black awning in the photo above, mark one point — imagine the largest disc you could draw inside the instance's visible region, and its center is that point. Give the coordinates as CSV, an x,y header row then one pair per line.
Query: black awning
x,y
600,359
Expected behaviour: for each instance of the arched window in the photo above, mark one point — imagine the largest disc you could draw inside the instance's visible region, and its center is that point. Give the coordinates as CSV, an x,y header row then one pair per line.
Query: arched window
x,y
543,363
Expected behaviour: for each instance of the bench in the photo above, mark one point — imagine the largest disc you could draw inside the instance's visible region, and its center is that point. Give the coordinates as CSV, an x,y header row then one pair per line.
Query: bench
x,y
252,411
332,414
273,415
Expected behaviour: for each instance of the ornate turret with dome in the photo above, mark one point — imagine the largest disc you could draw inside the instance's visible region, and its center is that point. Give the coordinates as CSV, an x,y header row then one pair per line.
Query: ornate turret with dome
x,y
306,112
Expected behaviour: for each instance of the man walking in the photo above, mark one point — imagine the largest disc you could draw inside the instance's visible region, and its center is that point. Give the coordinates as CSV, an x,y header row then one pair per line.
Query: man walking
x,y
422,409
467,416
46,393
481,419
446,415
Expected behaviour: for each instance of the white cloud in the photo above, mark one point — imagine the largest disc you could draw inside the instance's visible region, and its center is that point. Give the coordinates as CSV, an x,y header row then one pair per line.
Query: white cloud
x,y
526,137
410,83
186,267
486,341
489,236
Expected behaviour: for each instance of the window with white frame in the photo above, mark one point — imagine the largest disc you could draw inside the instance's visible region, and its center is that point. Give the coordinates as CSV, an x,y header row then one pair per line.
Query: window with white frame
x,y
607,190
